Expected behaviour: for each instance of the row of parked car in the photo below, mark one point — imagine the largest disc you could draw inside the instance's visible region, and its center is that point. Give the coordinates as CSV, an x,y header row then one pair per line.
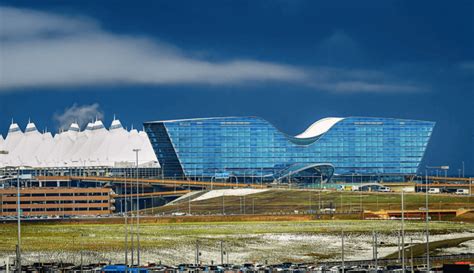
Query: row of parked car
x,y
443,190
225,268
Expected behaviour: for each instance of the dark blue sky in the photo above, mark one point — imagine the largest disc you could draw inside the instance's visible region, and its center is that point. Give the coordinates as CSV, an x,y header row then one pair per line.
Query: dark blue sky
x,y
403,59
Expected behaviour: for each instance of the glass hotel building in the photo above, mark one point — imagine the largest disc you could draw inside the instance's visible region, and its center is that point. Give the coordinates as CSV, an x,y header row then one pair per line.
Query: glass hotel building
x,y
250,149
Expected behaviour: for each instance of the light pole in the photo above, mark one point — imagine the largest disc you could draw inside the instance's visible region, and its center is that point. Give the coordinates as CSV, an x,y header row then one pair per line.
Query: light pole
x,y
427,221
18,249
222,252
445,168
126,220
375,254
18,212
342,250
138,208
403,231
197,253
189,199
132,228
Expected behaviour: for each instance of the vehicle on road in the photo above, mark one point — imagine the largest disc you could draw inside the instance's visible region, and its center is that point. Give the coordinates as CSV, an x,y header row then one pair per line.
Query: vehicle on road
x,y
384,189
462,191
178,214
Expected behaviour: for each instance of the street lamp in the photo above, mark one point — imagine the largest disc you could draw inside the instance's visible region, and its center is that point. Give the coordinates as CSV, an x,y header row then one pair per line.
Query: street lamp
x,y
18,221
18,249
138,209
126,219
427,216
445,168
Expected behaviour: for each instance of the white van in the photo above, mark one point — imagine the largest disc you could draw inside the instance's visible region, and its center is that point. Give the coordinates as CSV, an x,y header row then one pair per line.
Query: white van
x,y
462,191
434,190
384,189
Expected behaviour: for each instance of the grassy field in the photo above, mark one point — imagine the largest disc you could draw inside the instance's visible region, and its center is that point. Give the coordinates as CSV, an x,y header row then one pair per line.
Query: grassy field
x,y
288,201
250,230
109,237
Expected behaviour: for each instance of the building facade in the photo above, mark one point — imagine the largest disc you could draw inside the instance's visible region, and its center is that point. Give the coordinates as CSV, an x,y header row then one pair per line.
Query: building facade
x,y
60,202
251,149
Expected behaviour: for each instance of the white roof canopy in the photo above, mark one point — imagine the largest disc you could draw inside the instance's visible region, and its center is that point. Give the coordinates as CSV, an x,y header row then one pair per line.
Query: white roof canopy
x,y
319,127
95,146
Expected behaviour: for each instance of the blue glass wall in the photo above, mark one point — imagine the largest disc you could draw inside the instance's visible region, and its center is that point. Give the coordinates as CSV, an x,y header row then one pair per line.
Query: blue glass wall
x,y
252,147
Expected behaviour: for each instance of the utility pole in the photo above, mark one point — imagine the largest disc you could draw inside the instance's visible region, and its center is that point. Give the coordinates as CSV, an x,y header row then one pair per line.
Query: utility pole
x,y
240,199
319,197
375,251
463,169
427,222
310,200
398,246
82,247
253,205
126,221
18,212
138,208
189,198
223,208
403,231
411,256
342,250
222,252
197,253
132,233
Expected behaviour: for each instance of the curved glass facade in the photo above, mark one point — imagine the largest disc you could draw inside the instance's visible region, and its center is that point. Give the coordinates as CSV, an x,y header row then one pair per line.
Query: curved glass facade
x,y
250,147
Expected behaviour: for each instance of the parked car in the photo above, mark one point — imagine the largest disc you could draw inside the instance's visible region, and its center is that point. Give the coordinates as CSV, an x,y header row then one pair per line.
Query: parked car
x,y
434,190
462,191
178,214
384,189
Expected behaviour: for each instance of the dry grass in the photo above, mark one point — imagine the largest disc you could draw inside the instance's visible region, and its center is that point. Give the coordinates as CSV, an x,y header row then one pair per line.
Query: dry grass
x,y
109,237
289,201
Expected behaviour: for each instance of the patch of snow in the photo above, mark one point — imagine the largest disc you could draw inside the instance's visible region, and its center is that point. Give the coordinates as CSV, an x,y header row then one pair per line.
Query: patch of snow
x,y
228,192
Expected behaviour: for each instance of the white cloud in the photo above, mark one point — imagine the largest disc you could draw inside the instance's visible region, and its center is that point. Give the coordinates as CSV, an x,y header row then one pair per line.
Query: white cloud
x,y
341,80
81,114
21,23
40,49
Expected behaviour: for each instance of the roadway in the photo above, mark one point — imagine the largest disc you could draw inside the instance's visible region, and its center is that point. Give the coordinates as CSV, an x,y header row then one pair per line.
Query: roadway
x,y
167,182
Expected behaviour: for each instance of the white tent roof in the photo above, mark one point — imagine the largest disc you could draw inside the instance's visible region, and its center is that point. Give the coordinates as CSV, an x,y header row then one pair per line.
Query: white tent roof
x,y
11,145
1,149
47,144
28,145
1,142
95,146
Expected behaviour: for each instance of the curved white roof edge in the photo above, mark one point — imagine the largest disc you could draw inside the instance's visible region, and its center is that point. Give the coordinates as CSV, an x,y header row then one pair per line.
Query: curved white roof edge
x,y
319,127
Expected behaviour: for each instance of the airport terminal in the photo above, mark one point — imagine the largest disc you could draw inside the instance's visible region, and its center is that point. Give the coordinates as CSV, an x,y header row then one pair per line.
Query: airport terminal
x,y
251,149
168,159
224,169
